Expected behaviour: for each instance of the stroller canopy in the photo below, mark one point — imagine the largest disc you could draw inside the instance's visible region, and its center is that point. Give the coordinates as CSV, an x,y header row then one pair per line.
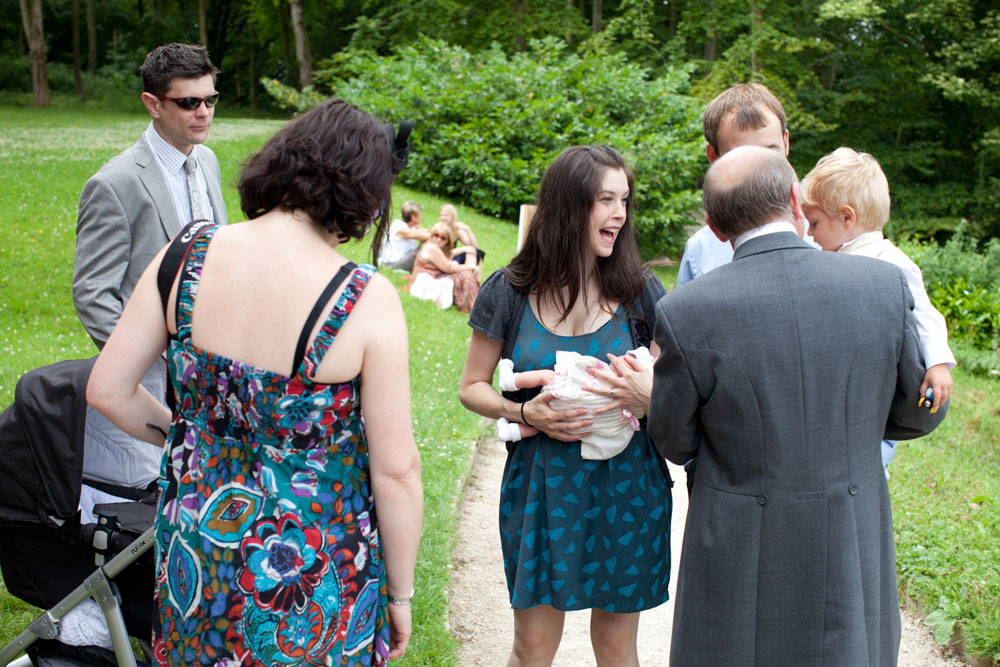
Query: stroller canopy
x,y
41,444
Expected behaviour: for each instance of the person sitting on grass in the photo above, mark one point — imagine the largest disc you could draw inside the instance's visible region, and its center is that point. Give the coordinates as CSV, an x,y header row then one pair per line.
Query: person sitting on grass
x,y
404,238
461,231
439,258
845,198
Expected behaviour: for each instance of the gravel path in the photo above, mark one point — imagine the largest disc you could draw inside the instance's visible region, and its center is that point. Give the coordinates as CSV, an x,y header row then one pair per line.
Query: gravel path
x,y
481,618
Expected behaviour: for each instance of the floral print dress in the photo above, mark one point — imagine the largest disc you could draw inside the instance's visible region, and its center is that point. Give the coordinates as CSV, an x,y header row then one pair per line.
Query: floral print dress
x,y
266,540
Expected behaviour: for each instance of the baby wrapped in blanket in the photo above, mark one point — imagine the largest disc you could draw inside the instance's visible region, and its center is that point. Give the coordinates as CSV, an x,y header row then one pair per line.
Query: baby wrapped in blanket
x,y
610,431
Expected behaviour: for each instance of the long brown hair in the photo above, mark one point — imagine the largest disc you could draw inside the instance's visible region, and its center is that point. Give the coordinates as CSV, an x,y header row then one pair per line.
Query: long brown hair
x,y
557,250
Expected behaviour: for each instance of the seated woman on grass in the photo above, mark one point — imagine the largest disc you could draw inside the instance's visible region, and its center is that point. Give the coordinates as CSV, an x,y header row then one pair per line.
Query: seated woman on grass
x,y
460,231
439,258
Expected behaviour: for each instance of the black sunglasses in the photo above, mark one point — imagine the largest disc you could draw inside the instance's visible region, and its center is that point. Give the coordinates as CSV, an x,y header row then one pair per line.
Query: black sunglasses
x,y
191,103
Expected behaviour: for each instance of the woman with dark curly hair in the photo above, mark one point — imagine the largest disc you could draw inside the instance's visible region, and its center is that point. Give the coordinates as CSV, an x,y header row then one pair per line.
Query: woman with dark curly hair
x,y
268,544
575,533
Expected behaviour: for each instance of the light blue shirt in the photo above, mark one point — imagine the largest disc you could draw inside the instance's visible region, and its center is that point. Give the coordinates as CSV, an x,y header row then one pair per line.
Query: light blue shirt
x,y
171,163
702,253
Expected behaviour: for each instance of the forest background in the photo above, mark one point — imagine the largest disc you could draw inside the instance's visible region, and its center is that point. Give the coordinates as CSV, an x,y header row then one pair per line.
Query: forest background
x,y
498,88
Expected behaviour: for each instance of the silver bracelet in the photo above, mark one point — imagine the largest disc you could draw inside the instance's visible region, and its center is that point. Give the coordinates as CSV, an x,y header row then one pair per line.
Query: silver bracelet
x,y
394,600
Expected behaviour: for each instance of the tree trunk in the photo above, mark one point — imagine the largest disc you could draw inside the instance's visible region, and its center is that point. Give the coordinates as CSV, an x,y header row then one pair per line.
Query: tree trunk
x,y
286,50
520,11
77,79
34,34
830,75
756,20
713,36
91,39
595,16
672,21
253,68
570,5
301,44
203,22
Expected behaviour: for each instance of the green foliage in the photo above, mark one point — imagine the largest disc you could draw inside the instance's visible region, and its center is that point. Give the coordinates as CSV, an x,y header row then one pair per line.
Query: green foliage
x,y
385,26
976,361
291,98
488,124
964,285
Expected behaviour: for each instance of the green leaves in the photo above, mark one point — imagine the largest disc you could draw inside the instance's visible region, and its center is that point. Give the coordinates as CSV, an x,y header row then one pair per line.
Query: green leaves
x,y
942,620
488,124
964,284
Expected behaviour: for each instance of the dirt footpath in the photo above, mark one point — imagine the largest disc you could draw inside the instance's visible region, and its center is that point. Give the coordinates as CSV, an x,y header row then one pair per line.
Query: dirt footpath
x,y
481,618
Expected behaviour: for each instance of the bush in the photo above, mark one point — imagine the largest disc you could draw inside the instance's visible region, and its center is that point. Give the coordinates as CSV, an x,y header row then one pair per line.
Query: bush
x,y
15,73
964,284
488,124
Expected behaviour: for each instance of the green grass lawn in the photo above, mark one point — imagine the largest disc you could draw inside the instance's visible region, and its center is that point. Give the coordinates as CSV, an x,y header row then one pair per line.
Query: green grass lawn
x,y
946,487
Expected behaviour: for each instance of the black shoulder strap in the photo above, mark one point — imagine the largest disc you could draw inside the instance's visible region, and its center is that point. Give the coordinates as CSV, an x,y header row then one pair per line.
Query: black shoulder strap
x,y
174,258
318,309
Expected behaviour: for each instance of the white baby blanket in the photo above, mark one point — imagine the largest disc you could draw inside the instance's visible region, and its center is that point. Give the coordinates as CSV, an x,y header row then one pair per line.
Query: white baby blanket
x,y
611,431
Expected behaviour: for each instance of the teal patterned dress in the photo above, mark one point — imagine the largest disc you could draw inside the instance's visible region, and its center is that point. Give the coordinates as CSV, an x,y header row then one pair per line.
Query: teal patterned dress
x,y
580,534
266,540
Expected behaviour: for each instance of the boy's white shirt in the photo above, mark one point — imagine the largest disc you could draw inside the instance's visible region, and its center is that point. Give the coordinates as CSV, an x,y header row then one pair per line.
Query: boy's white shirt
x,y
931,326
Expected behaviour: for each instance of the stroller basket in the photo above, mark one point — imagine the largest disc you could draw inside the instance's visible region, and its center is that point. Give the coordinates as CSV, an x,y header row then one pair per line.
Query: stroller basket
x,y
98,586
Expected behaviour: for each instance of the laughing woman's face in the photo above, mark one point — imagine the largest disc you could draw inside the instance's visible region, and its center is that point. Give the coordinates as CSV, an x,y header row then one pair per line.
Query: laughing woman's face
x,y
607,213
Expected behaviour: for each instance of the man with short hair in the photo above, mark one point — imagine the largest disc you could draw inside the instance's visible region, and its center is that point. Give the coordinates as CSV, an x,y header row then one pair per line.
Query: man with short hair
x,y
133,206
745,115
143,196
403,239
780,373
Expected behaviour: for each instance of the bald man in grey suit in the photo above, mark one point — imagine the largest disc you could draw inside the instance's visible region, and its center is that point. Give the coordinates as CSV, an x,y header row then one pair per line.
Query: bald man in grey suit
x,y
129,210
781,373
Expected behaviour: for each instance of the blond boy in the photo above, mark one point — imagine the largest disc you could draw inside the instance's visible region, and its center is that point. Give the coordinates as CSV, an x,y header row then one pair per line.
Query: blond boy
x,y
845,198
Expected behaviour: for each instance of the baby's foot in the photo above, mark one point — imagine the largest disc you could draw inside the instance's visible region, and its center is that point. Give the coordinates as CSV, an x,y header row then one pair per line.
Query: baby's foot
x,y
508,431
506,379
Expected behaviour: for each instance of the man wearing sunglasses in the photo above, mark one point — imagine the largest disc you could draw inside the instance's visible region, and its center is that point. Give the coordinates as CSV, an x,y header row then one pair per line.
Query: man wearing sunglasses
x,y
133,206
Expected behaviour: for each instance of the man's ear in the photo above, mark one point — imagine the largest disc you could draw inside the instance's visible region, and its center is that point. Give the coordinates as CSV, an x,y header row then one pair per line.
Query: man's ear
x,y
848,216
719,235
710,153
786,142
799,218
152,104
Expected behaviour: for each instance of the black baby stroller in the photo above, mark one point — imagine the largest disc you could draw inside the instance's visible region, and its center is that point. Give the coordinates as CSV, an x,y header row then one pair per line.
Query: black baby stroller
x,y
48,558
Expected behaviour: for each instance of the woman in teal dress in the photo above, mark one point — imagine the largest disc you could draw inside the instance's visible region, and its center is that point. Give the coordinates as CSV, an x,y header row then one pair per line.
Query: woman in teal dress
x,y
575,533
287,525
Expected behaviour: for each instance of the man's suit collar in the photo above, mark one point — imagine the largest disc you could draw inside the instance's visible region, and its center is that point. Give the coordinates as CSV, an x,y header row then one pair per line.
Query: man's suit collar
x,y
151,177
770,242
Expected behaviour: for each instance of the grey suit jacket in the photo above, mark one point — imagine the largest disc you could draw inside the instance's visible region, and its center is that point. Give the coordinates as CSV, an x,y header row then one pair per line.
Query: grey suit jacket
x,y
780,373
126,216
